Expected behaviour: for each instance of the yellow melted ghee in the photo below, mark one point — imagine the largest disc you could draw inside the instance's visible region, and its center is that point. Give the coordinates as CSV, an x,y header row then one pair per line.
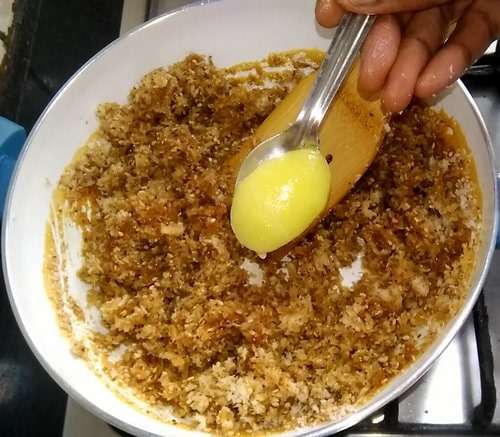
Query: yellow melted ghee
x,y
280,199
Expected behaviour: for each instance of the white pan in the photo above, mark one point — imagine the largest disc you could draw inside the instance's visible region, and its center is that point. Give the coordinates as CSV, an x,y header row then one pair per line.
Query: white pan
x,y
231,31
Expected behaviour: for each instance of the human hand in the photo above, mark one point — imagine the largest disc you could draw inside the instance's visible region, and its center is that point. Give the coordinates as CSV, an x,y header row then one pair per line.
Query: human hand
x,y
406,52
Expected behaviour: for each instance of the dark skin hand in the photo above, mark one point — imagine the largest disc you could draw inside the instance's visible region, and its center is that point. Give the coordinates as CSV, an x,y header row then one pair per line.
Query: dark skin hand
x,y
410,51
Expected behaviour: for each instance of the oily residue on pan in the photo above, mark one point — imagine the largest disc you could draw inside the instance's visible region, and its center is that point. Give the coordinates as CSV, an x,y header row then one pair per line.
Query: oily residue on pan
x,y
233,343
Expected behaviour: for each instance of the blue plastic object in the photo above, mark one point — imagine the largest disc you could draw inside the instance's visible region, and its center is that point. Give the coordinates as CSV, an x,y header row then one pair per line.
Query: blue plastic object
x,y
12,137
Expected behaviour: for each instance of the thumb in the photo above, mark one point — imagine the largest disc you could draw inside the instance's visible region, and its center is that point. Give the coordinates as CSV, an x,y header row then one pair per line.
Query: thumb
x,y
389,6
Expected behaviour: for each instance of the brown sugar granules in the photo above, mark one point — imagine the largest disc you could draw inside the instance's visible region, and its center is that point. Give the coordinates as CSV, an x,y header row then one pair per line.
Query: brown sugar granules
x,y
236,343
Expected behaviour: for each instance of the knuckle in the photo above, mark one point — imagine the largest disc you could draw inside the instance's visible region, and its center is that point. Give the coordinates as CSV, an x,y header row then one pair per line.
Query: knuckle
x,y
421,42
465,52
486,20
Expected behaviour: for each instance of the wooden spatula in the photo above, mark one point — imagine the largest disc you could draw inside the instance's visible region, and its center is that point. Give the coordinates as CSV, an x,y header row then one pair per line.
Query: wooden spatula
x,y
351,134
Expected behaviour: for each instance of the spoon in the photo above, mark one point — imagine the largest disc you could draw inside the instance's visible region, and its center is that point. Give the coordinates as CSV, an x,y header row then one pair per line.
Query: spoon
x,y
304,132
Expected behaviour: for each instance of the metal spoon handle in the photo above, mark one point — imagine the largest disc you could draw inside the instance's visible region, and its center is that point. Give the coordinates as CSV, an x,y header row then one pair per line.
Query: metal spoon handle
x,y
339,58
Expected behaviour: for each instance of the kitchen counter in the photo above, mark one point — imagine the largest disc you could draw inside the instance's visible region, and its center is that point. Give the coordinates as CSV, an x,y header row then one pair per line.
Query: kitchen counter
x,y
5,21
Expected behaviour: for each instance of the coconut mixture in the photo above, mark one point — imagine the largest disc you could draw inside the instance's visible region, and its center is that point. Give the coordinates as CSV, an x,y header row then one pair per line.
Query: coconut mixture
x,y
227,341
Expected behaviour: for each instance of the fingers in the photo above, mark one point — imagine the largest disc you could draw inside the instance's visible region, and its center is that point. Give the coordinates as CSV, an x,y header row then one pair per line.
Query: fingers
x,y
478,27
423,36
328,12
389,6
407,66
379,53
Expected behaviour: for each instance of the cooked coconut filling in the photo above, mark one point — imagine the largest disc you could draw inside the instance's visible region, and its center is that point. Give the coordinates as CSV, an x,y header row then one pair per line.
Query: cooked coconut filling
x,y
233,343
